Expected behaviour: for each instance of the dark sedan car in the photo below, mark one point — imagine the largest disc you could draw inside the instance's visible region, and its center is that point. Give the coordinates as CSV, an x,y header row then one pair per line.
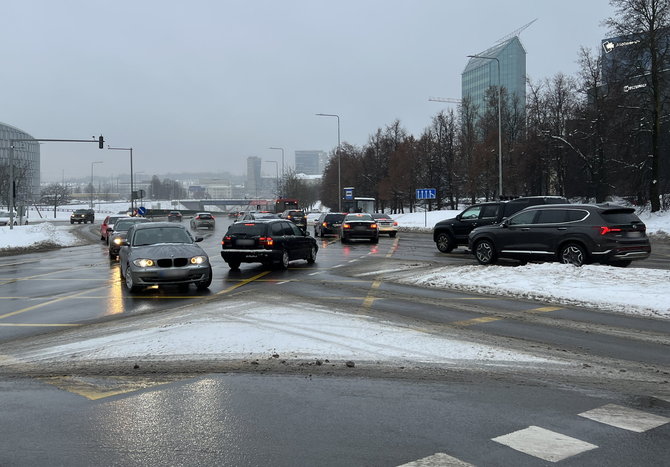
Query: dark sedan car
x,y
359,225
266,241
328,224
576,234
117,235
162,253
174,216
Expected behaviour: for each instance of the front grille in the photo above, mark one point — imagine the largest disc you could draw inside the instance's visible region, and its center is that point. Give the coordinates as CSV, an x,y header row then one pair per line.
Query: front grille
x,y
164,263
180,262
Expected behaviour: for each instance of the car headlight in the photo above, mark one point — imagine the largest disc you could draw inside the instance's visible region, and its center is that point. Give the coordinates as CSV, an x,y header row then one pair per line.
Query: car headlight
x,y
198,260
118,240
144,263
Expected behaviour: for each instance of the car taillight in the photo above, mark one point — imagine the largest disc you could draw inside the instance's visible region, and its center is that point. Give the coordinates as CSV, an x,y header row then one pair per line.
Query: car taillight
x,y
346,226
197,217
266,241
604,230
373,226
395,224
225,239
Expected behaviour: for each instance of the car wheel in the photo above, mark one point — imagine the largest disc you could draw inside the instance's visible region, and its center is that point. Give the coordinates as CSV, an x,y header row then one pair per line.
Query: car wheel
x,y
485,252
284,260
204,285
620,264
234,264
312,255
71,222
572,253
130,283
316,234
445,243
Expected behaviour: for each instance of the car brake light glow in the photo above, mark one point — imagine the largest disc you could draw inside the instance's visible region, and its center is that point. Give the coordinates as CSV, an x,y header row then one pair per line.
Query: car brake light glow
x,y
373,226
225,239
605,230
395,223
346,226
267,241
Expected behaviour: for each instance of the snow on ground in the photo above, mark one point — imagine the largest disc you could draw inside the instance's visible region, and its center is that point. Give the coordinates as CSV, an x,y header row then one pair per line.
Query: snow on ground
x,y
248,330
234,329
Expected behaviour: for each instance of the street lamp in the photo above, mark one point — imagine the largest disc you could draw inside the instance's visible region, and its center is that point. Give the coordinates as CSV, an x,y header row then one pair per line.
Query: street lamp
x,y
339,171
277,176
132,186
500,183
282,167
92,163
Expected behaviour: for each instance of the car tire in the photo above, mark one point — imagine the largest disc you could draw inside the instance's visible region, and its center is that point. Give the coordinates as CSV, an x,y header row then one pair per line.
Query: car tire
x,y
234,264
130,283
311,258
485,252
445,242
112,255
204,285
283,263
72,222
572,253
316,234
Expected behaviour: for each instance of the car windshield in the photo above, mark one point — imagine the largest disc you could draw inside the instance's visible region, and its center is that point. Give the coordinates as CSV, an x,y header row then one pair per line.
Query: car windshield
x,y
161,235
124,225
334,217
250,229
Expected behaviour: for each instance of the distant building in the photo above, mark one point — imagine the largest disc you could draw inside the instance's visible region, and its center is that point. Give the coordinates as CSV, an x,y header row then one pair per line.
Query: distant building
x,y
310,162
26,165
481,73
253,184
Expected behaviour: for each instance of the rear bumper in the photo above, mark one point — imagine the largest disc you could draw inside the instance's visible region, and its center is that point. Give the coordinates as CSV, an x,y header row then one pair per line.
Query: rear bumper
x,y
250,256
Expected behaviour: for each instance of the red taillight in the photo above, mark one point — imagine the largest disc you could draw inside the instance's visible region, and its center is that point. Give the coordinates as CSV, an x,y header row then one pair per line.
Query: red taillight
x,y
225,239
373,226
346,226
395,224
604,230
266,241
197,217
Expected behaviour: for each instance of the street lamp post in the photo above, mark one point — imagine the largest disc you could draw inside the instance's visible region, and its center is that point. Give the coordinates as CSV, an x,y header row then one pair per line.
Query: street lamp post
x,y
132,185
282,167
92,163
277,176
500,183
339,170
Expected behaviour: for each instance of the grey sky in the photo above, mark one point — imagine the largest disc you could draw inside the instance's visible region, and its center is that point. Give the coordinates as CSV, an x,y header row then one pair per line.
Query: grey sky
x,y
202,85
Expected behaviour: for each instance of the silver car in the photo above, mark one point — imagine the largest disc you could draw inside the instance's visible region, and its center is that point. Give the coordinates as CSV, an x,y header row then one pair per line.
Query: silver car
x,y
202,220
163,253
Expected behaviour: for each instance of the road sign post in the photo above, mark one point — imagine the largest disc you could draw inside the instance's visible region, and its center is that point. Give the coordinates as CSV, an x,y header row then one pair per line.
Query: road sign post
x,y
426,193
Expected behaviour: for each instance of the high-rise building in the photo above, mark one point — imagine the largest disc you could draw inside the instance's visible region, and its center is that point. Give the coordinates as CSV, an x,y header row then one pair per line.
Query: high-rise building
x,y
482,73
26,164
310,162
253,184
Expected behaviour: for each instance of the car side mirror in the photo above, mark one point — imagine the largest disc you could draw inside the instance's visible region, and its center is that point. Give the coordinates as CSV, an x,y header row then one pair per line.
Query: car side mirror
x,y
459,216
198,239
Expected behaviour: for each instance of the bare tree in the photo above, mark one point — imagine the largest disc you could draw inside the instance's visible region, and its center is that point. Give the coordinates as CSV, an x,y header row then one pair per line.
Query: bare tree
x,y
55,195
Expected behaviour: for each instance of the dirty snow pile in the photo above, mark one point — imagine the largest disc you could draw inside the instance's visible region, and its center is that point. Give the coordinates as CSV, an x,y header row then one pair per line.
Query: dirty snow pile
x,y
46,233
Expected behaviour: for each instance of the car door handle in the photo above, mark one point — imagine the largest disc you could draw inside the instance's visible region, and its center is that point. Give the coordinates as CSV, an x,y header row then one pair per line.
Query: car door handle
x,y
562,228
525,229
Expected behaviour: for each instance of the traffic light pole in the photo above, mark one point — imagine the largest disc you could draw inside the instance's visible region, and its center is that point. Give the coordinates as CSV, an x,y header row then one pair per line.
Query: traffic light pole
x,y
12,189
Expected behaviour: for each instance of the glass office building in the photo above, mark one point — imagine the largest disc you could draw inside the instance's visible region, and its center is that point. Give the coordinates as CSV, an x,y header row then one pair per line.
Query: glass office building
x,y
310,162
26,165
482,73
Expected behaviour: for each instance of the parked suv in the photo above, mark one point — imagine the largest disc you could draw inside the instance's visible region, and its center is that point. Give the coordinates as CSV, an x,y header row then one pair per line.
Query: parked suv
x,y
266,241
450,233
82,215
574,233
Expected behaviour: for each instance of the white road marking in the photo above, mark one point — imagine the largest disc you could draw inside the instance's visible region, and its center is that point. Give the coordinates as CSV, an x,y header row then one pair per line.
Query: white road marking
x,y
626,418
545,444
438,459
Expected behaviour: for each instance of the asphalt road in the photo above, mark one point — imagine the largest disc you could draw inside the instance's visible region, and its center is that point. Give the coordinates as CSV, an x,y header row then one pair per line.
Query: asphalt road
x,y
319,416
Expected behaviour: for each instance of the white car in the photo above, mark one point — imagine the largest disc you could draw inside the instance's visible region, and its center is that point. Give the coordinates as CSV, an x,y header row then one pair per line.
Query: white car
x,y
4,218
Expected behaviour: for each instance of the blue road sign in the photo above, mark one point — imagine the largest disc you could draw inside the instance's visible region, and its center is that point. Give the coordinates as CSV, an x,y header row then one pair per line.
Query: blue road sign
x,y
141,210
348,193
426,193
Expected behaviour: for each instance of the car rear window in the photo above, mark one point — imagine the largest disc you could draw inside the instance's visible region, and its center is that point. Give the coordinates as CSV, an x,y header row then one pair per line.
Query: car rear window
x,y
620,216
204,216
249,229
334,217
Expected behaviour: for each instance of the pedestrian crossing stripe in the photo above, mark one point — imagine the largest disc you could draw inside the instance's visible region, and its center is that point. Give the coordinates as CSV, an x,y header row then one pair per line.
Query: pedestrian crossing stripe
x,y
545,444
438,459
625,418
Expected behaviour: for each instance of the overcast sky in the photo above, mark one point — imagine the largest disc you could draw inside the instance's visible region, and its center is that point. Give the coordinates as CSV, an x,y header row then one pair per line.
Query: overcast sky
x,y
202,85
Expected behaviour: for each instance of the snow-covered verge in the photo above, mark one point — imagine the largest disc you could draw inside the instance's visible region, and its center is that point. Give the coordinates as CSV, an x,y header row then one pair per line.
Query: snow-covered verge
x,y
36,235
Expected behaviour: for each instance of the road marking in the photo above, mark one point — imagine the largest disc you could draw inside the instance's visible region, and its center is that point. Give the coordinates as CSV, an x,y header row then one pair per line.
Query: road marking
x,y
370,298
490,319
626,418
36,325
43,304
93,388
545,444
544,309
439,459
394,247
243,282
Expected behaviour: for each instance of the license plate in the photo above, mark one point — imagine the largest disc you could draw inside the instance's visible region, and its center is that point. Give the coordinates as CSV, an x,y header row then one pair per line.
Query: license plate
x,y
245,242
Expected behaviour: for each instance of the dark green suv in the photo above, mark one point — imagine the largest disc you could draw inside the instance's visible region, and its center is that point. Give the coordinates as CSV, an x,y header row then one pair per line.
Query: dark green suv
x,y
82,215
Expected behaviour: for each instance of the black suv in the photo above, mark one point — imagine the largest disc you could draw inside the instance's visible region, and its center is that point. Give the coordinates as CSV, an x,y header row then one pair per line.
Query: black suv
x,y
450,233
297,217
266,241
82,215
573,233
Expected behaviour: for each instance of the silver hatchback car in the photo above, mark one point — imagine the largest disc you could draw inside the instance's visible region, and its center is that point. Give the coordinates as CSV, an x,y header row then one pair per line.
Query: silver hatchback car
x,y
202,220
163,253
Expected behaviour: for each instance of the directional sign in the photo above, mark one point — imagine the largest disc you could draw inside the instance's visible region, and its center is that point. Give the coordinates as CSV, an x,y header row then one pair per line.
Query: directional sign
x,y
426,193
141,210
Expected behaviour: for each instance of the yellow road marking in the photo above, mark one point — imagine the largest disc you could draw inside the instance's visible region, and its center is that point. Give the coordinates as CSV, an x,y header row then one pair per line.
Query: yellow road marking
x,y
99,388
35,325
243,282
370,298
43,304
545,309
394,247
489,319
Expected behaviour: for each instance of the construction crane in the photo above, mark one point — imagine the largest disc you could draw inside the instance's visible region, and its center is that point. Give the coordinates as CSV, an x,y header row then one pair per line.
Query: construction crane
x,y
514,33
449,100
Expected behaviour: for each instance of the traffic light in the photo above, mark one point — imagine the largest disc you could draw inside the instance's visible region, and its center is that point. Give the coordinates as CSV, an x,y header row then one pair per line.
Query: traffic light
x,y
101,142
